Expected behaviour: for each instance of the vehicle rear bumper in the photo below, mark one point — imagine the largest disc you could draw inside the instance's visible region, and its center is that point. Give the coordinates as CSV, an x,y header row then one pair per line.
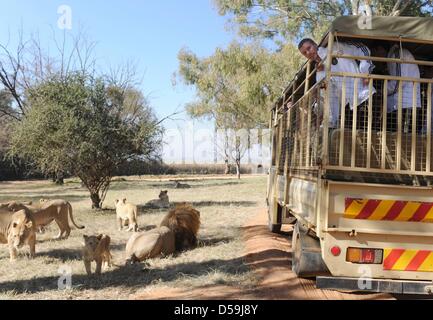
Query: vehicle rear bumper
x,y
375,285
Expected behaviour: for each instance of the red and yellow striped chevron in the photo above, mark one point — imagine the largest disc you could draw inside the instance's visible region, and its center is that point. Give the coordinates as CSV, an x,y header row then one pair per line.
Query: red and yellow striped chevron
x,y
388,210
408,260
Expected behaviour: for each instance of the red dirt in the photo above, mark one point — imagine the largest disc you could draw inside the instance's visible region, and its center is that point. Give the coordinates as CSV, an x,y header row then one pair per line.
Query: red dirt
x,y
269,255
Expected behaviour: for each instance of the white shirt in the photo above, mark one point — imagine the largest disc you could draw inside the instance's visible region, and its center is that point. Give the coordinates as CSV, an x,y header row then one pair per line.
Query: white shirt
x,y
402,70
347,66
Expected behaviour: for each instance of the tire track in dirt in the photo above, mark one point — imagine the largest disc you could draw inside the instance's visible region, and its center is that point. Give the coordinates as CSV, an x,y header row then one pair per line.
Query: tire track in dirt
x,y
277,279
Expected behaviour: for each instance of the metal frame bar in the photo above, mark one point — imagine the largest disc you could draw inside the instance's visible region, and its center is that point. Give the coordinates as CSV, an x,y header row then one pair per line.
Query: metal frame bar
x,y
342,124
325,156
384,123
370,122
429,126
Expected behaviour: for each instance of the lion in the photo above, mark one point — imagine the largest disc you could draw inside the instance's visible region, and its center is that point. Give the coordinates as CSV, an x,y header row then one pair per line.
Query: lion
x,y
162,202
150,244
126,213
177,231
50,210
184,221
96,248
17,229
179,185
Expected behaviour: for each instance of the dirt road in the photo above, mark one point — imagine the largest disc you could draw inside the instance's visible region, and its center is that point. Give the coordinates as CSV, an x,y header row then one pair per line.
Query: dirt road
x,y
269,255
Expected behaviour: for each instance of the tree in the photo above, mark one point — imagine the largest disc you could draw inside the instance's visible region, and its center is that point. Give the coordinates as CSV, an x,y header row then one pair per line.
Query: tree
x,y
287,20
243,80
28,65
86,126
235,87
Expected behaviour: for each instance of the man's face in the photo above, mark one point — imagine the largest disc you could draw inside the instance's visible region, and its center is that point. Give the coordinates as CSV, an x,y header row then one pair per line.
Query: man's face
x,y
309,50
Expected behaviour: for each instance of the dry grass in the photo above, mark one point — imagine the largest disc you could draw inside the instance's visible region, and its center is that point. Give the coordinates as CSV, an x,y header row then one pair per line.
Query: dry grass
x,y
225,205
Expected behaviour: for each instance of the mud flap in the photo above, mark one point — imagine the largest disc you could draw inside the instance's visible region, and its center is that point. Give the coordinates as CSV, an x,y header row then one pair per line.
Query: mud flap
x,y
306,254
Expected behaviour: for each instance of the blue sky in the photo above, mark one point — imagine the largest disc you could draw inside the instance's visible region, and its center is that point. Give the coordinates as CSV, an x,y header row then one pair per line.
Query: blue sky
x,y
148,32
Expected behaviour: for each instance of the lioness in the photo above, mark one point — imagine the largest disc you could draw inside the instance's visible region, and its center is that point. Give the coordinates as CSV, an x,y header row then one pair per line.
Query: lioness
x,y
17,229
126,213
179,185
162,202
96,248
50,210
149,244
33,207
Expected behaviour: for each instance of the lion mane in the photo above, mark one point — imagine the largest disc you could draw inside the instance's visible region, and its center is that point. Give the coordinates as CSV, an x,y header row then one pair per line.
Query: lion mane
x,y
184,221
177,231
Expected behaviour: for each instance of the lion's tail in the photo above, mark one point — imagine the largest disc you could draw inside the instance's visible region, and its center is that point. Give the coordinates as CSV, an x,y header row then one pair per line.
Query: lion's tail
x,y
72,218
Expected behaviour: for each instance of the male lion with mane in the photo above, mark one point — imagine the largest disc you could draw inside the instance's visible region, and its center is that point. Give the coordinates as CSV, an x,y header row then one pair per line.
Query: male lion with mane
x,y
178,231
184,221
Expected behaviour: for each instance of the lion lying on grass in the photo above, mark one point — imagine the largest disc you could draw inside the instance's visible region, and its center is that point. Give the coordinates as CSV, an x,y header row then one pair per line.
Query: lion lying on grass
x,y
161,202
178,231
150,244
184,221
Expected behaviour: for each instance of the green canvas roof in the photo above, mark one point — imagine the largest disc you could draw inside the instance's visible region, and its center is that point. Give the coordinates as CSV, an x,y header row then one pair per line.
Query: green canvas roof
x,y
415,28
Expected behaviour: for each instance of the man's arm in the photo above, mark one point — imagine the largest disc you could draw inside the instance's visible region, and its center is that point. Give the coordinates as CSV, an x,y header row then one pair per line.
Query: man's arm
x,y
359,49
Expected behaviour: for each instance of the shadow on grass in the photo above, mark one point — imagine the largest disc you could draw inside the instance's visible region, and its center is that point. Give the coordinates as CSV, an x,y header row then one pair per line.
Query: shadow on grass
x,y
218,203
144,209
132,186
133,276
24,197
72,254
213,241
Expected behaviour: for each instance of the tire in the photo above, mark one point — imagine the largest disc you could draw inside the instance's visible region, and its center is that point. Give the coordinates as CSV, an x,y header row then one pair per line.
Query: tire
x,y
296,253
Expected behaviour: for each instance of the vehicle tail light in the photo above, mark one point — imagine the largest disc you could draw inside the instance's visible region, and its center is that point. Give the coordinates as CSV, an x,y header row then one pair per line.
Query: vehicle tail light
x,y
336,250
364,255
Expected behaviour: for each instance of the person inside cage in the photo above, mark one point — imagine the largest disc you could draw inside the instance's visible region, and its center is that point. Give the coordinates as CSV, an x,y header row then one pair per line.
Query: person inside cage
x,y
404,70
318,55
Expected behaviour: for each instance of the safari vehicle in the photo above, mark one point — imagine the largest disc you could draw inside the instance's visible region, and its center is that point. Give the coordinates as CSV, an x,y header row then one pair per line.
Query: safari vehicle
x,y
360,197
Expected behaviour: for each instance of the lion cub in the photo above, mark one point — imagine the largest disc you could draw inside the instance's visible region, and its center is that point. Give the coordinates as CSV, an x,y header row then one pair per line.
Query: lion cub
x,y
126,212
96,248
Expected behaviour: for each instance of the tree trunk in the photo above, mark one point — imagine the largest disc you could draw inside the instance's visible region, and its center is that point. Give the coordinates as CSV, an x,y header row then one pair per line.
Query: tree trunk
x,y
96,200
238,169
59,178
227,169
